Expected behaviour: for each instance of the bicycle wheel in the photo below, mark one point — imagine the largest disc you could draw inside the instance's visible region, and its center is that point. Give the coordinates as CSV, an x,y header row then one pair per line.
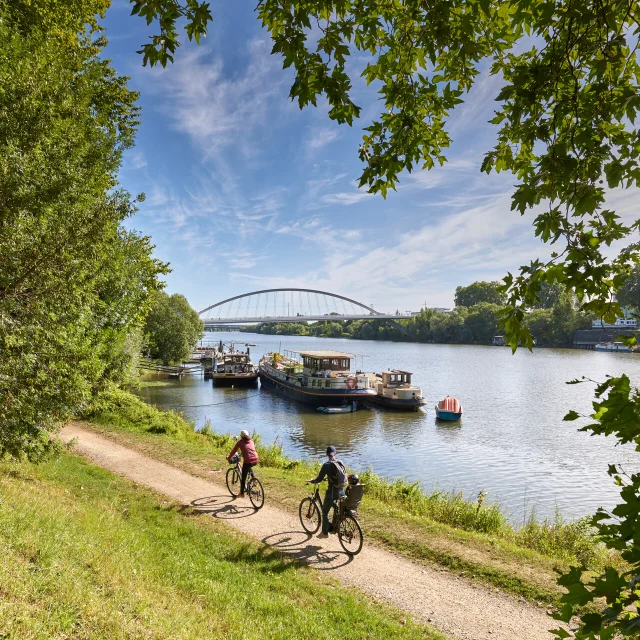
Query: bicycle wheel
x,y
310,517
233,481
255,492
350,535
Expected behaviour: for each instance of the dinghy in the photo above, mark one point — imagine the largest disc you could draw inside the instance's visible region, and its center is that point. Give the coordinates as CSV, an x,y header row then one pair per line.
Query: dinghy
x,y
347,409
448,409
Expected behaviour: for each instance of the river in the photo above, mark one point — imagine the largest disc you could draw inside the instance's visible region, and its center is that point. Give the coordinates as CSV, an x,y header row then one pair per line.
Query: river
x,y
511,441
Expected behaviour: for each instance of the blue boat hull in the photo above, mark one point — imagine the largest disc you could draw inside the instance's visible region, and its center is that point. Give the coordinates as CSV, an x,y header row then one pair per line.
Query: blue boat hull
x,y
447,415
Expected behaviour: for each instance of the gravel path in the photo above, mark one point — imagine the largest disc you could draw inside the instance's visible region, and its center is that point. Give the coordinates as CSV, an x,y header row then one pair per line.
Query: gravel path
x,y
458,608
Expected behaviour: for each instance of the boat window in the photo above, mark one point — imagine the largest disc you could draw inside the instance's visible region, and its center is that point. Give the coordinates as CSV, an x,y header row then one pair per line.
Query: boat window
x,y
313,382
327,383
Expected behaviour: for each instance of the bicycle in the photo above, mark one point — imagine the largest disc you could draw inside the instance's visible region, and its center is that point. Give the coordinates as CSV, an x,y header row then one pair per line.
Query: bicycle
x,y
344,522
253,487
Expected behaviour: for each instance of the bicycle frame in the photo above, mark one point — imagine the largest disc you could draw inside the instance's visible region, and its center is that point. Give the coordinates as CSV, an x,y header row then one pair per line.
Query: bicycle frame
x,y
337,508
239,471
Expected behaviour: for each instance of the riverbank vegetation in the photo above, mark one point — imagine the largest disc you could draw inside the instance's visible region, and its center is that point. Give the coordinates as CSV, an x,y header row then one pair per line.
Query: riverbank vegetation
x,y
468,534
87,554
553,320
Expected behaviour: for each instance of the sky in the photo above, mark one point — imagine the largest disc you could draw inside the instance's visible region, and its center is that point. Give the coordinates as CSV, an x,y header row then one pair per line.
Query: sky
x,y
244,191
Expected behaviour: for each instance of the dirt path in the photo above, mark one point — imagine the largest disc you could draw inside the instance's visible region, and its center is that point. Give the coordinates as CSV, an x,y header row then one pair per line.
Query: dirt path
x,y
447,602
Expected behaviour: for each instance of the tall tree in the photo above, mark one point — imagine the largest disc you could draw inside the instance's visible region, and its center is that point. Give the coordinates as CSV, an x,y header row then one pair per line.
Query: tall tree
x,y
173,328
478,292
73,283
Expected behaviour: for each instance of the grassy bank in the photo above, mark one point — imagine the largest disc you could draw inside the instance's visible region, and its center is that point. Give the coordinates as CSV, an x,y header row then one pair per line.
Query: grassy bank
x,y
470,537
87,554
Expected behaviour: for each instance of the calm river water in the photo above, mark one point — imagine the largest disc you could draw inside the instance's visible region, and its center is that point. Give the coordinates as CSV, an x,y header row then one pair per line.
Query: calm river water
x,y
511,441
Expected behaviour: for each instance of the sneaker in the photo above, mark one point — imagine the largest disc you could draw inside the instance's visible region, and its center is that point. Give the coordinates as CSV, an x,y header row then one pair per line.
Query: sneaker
x,y
241,495
323,535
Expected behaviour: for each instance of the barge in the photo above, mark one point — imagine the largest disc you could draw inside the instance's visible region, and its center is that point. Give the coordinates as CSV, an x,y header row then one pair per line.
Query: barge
x,y
233,368
321,379
395,391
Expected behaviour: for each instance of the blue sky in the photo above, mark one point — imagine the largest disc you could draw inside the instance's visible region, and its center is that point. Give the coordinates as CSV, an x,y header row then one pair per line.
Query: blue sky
x,y
245,191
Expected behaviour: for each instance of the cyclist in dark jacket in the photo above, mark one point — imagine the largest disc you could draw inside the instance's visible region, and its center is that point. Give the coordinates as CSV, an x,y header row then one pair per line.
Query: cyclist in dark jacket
x,y
336,476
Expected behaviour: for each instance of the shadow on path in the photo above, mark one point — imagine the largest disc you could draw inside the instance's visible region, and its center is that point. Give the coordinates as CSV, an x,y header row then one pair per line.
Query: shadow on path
x,y
224,507
299,545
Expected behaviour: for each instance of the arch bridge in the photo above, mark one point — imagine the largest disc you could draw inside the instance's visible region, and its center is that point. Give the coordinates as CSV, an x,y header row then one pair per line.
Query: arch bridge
x,y
291,305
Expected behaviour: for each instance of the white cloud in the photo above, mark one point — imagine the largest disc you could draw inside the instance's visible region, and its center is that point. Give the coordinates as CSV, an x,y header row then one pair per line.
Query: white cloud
x,y
215,109
321,137
346,198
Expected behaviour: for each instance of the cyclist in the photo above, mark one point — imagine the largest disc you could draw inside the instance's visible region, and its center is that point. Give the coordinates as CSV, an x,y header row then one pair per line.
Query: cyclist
x,y
336,476
249,456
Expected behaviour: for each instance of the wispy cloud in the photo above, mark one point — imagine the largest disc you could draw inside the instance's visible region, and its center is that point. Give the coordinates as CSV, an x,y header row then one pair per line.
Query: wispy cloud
x,y
217,110
321,137
346,198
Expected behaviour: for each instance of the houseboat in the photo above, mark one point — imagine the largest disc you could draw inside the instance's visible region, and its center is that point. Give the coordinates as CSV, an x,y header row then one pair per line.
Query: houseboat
x,y
320,379
395,391
231,367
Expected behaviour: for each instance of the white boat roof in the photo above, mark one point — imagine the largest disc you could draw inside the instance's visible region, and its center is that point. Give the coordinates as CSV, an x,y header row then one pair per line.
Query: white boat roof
x,y
325,354
394,371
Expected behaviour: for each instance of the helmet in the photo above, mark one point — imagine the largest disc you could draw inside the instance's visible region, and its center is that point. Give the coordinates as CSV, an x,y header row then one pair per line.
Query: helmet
x,y
244,434
353,478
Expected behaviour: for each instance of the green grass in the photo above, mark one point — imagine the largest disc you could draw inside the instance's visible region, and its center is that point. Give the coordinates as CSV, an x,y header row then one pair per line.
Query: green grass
x,y
87,554
470,537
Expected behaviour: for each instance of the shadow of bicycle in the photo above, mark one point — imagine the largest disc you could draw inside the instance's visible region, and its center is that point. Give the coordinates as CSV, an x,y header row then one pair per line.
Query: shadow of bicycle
x,y
224,507
299,545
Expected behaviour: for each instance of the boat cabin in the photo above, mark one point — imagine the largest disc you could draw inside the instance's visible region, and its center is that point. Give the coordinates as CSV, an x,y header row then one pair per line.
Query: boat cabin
x,y
395,378
236,362
327,362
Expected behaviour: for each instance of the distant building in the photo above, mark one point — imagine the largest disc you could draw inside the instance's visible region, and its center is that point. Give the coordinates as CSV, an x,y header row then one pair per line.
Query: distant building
x,y
626,322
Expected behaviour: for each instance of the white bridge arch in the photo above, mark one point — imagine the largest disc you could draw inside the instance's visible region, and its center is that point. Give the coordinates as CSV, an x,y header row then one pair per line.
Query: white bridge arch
x,y
291,305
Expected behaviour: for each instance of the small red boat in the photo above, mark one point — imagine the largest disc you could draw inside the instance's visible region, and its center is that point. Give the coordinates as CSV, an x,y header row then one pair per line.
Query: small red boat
x,y
449,409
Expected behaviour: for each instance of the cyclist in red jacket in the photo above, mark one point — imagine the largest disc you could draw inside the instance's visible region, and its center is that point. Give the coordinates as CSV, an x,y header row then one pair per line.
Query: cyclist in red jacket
x,y
249,456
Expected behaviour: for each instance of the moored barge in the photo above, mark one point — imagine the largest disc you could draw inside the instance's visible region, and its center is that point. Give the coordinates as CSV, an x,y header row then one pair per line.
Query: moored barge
x,y
234,368
322,379
395,391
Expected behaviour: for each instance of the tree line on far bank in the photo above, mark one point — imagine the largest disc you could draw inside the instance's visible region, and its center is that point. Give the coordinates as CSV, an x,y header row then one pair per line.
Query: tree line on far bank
x,y
474,320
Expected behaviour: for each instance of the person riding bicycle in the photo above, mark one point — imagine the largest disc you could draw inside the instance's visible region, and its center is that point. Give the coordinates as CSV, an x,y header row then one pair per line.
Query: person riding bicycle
x,y
249,456
336,476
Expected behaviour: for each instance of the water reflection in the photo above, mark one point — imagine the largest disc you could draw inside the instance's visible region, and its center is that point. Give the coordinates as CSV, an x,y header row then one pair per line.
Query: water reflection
x,y
511,440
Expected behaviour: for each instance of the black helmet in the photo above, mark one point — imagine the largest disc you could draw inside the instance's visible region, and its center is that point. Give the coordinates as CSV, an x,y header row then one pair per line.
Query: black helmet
x,y
353,478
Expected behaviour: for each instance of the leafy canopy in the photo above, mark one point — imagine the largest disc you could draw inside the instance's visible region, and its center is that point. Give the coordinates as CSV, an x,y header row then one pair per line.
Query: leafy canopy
x,y
478,292
74,284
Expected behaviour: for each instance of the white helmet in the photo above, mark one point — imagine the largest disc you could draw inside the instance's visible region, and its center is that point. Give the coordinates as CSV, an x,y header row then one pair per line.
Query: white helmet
x,y
244,434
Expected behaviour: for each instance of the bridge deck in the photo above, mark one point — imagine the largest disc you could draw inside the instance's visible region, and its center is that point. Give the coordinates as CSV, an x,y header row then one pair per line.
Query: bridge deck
x,y
328,318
